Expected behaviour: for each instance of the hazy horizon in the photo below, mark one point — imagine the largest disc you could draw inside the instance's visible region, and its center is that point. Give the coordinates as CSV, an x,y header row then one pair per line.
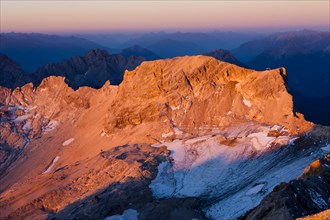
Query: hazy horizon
x,y
106,17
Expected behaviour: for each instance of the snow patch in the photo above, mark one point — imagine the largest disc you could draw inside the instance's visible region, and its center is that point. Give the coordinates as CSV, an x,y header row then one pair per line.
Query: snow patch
x,y
317,199
260,140
21,118
27,126
67,142
276,127
256,189
233,177
247,102
175,108
52,164
326,148
177,131
50,126
169,134
129,214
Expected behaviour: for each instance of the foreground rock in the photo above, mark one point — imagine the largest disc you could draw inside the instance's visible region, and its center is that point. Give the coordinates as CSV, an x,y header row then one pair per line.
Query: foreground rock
x,y
305,196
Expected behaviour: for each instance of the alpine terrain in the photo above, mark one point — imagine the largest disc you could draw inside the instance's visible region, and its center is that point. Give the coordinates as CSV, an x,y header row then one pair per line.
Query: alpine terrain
x,y
184,138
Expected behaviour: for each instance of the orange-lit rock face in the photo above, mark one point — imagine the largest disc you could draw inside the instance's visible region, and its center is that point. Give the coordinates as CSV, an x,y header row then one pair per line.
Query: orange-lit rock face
x,y
200,92
319,216
53,135
314,169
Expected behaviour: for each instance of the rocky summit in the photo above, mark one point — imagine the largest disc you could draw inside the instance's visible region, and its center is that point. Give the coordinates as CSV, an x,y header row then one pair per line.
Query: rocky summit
x,y
182,138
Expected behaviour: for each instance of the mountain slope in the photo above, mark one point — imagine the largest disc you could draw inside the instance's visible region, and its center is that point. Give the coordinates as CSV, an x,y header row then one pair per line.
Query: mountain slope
x,y
303,196
93,153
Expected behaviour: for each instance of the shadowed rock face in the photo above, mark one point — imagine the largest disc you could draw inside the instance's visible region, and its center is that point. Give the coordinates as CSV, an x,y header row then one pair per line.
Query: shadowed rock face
x,y
304,196
93,153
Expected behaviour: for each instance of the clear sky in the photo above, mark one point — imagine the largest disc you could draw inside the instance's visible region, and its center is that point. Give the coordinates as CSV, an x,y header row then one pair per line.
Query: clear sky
x,y
108,15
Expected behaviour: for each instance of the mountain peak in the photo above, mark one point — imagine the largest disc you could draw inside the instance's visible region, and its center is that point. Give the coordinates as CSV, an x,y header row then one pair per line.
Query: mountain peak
x,y
97,53
189,84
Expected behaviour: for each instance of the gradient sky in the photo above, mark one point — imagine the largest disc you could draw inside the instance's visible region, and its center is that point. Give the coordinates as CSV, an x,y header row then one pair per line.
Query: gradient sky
x,y
106,16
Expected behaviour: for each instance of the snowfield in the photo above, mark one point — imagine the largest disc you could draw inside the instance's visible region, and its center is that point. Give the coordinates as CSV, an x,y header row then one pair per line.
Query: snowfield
x,y
129,214
232,170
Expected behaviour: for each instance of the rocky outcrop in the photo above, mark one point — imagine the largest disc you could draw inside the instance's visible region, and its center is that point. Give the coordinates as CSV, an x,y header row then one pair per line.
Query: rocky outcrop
x,y
304,196
118,180
319,216
201,92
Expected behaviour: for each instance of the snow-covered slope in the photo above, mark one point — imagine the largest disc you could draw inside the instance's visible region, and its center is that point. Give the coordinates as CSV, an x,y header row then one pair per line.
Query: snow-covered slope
x,y
231,170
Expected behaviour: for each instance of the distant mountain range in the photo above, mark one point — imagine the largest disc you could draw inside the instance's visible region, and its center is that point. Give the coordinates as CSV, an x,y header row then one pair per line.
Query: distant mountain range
x,y
175,44
93,69
225,55
33,50
305,54
306,57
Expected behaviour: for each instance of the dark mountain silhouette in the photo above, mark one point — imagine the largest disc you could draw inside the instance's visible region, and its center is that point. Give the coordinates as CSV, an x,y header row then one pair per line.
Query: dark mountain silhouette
x,y
309,73
207,40
139,51
93,69
225,55
11,74
284,43
32,50
316,109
